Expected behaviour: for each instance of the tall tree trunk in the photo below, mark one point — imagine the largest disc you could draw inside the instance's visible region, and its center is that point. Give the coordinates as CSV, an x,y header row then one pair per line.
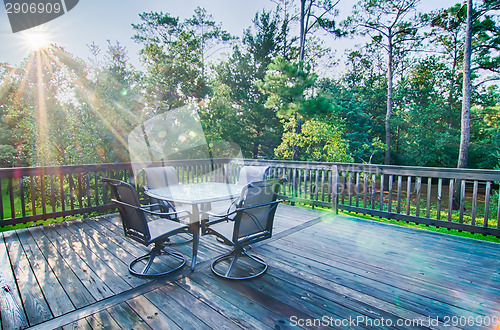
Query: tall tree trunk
x,y
302,29
466,94
387,158
298,128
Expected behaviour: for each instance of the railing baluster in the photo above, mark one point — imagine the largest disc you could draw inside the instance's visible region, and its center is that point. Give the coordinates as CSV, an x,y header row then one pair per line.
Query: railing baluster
x,y
80,190
1,200
71,191
400,186
498,211
365,189
429,194
350,187
305,184
335,183
487,203
474,203
408,195
418,187
23,202
389,203
317,185
462,201
87,189
52,194
450,200
33,195
372,195
42,192
382,192
294,182
61,191
322,185
331,184
343,187
10,188
357,188
439,198
96,188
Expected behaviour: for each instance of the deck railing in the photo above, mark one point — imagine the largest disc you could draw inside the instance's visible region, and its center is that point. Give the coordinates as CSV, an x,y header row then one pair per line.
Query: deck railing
x,y
462,199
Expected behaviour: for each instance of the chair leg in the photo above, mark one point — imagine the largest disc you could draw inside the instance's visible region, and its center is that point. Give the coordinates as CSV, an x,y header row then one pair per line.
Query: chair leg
x,y
251,266
149,258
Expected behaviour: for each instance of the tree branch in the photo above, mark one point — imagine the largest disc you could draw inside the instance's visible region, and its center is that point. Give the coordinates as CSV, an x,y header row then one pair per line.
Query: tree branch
x,y
487,80
376,29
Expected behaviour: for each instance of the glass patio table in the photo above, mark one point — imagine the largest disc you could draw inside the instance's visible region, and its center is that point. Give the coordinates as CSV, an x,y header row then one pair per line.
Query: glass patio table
x,y
199,196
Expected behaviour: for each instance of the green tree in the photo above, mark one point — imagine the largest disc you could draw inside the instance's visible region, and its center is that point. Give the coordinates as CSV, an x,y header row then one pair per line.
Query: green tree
x,y
291,91
258,127
212,38
359,98
429,129
319,141
482,41
390,27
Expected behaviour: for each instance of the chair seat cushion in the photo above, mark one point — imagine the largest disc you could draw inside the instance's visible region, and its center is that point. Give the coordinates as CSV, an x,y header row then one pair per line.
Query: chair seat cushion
x,y
160,227
225,228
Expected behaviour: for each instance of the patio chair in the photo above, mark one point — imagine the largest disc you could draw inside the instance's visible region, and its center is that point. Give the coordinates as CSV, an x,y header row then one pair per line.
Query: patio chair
x,y
252,173
157,231
250,222
159,177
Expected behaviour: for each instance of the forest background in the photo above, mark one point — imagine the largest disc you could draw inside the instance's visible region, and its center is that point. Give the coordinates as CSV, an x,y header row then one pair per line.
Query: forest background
x,y
420,91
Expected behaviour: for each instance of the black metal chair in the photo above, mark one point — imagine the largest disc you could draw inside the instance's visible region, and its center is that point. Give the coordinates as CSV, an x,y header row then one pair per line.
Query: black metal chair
x,y
252,173
157,231
159,177
250,222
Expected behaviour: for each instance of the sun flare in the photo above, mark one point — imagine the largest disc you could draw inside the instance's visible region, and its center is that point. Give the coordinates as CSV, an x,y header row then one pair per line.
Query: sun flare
x,y
36,40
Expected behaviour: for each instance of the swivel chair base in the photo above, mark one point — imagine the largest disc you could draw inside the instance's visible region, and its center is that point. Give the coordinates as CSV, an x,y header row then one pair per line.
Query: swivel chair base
x,y
146,261
238,266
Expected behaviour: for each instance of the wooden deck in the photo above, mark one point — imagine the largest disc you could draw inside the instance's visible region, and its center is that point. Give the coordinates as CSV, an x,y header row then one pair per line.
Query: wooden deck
x,y
323,270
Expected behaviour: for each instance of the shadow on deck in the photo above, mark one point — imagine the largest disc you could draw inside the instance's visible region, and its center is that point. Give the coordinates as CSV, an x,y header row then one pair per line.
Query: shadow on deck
x,y
323,270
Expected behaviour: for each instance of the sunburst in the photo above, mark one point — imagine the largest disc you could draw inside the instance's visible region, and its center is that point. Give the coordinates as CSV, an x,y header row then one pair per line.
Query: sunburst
x,y
35,39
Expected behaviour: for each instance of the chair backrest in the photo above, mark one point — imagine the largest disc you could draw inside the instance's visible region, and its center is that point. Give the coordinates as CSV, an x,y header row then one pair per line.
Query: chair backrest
x,y
134,221
159,177
253,224
252,173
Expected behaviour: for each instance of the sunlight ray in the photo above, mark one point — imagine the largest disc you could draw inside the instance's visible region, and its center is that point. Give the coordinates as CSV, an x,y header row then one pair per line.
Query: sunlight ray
x,y
92,99
42,140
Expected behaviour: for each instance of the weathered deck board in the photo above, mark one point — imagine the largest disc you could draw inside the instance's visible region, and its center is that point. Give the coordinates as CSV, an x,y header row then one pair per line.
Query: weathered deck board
x,y
335,267
126,318
11,308
35,306
50,284
79,294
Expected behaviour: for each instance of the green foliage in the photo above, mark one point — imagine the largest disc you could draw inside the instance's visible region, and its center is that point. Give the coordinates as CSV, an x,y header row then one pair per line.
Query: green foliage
x,y
425,118
318,141
289,86
359,102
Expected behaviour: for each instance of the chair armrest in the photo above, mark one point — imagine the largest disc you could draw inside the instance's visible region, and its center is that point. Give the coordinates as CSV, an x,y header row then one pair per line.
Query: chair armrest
x,y
149,211
166,213
150,205
276,202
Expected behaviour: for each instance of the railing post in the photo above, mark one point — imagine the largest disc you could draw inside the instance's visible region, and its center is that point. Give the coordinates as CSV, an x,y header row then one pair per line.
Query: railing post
x,y
335,187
